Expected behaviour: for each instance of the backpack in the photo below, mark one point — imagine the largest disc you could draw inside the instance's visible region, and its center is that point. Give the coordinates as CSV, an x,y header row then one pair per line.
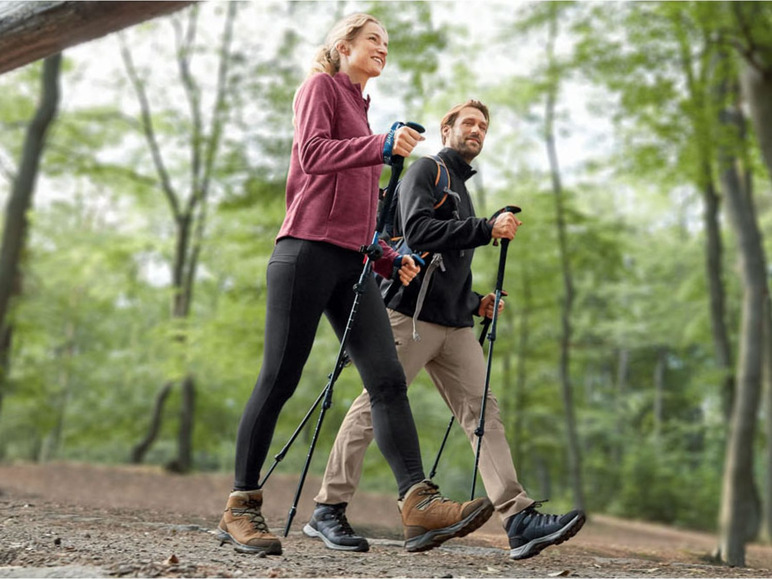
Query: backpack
x,y
395,236
393,229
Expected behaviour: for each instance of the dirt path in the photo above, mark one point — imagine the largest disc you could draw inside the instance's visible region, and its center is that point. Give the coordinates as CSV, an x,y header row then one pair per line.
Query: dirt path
x,y
70,520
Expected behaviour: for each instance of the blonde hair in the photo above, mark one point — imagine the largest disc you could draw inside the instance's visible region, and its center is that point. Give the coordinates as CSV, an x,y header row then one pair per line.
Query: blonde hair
x,y
327,58
450,117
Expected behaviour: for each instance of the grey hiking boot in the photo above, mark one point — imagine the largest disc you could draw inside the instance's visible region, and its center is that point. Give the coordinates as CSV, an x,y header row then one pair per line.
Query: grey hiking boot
x,y
329,523
243,525
530,532
430,519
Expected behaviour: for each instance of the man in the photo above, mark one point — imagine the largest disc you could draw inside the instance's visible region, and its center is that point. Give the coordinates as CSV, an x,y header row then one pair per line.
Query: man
x,y
441,339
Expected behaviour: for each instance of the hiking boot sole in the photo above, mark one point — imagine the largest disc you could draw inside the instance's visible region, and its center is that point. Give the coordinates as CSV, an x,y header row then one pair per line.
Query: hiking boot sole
x,y
311,532
533,548
271,548
432,539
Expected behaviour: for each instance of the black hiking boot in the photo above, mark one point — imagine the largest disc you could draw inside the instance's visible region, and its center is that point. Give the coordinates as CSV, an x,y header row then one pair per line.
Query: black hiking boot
x,y
329,523
530,532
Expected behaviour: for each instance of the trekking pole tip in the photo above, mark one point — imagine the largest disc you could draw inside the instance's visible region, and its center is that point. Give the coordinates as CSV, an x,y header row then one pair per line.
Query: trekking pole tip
x,y
290,517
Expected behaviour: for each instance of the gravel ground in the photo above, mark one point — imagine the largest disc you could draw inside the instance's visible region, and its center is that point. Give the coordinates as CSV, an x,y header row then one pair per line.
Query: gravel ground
x,y
77,520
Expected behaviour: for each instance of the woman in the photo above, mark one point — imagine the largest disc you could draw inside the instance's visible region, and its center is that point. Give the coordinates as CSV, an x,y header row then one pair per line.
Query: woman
x,y
332,198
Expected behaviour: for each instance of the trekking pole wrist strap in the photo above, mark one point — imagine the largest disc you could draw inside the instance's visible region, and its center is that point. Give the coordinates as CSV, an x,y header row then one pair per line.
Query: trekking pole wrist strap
x,y
388,146
374,251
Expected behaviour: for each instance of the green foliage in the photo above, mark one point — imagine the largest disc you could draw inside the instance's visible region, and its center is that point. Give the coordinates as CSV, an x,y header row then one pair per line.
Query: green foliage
x,y
673,486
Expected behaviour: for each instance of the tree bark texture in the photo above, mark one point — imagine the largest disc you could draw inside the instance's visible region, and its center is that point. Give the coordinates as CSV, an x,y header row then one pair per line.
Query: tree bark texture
x,y
20,202
187,421
757,90
140,449
767,388
716,293
30,31
697,71
740,509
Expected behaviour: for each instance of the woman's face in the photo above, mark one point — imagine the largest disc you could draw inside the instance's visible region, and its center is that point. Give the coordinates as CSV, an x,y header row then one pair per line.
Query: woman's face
x,y
365,56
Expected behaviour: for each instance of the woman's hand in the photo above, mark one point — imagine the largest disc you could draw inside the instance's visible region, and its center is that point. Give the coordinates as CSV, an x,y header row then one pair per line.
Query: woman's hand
x,y
405,140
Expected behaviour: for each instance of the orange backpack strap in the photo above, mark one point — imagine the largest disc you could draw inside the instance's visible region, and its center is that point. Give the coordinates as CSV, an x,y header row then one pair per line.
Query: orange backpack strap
x,y
441,181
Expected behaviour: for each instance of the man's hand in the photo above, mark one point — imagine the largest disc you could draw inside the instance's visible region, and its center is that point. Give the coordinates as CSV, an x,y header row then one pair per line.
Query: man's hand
x,y
408,270
486,305
505,226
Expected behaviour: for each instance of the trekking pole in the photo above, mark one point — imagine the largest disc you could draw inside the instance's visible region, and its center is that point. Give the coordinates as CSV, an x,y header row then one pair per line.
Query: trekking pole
x,y
485,325
283,452
397,163
480,431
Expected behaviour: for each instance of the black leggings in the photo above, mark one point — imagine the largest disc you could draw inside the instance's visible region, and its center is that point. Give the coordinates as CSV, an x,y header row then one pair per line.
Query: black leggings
x,y
304,280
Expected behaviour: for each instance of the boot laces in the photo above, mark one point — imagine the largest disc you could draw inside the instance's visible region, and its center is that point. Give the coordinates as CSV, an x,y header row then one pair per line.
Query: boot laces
x,y
432,494
340,518
252,510
541,518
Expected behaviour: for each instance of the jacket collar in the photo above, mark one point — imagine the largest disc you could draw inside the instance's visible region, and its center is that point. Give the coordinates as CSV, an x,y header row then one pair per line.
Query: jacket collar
x,y
456,163
344,81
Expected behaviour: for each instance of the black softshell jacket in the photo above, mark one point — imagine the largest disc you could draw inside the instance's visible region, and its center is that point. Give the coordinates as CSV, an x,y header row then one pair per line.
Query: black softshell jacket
x,y
452,230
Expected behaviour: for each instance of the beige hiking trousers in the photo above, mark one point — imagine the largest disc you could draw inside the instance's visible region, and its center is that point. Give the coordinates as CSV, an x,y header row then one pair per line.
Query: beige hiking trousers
x,y
454,360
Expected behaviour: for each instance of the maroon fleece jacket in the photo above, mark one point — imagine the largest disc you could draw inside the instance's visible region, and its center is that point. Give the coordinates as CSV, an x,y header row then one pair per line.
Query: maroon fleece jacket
x,y
336,162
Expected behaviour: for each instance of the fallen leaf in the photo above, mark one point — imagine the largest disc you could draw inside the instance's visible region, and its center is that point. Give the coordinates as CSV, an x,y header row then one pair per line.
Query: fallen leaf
x,y
172,560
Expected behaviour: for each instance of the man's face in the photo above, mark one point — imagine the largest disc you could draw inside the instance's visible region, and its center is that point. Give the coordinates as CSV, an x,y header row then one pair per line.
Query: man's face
x,y
467,134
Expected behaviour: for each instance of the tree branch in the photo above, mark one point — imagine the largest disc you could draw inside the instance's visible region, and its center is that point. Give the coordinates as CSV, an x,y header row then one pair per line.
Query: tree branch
x,y
193,94
750,49
148,130
213,143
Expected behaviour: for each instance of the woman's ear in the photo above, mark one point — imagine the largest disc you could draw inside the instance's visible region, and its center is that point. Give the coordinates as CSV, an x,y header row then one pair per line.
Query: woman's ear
x,y
342,48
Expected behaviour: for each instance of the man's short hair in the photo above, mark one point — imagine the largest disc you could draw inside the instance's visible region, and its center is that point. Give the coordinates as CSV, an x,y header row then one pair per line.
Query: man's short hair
x,y
450,117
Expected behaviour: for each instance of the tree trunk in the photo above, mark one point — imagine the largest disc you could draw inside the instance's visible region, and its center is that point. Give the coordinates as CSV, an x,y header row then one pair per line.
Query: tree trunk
x,y
739,500
30,31
574,448
140,450
757,91
767,386
522,355
697,70
20,202
6,336
659,390
184,461
623,370
64,357
716,293
543,476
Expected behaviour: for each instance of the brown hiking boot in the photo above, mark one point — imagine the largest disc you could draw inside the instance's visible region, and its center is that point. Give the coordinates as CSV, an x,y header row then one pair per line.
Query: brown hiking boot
x,y
431,519
243,525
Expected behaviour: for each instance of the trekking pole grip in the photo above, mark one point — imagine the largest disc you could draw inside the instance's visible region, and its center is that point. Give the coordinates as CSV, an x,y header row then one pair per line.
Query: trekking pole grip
x,y
396,162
